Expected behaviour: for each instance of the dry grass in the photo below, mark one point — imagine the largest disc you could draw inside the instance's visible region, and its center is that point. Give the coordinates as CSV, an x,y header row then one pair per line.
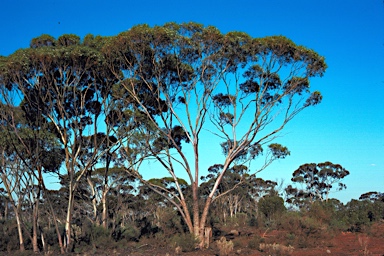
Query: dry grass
x,y
364,242
225,247
276,249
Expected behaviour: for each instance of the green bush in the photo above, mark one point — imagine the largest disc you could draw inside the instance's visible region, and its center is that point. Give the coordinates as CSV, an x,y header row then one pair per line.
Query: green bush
x,y
238,220
130,233
187,242
169,221
271,207
359,215
254,242
253,222
303,231
94,236
291,239
9,238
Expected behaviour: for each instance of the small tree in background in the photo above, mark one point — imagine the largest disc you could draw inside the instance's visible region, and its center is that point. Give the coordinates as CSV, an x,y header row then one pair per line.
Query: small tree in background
x,y
317,181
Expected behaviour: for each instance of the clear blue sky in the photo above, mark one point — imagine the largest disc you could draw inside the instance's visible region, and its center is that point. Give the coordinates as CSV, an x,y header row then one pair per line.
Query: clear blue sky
x,y
346,128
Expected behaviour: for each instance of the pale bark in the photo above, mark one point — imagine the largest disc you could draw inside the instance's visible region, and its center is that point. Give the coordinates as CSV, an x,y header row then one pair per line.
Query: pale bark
x,y
213,75
35,214
19,229
59,238
68,219
104,218
16,206
94,200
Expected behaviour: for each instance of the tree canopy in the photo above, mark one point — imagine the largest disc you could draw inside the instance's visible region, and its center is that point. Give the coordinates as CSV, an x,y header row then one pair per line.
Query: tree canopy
x,y
160,93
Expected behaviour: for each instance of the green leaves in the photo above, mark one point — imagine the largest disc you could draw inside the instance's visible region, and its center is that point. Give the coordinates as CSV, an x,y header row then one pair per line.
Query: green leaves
x,y
224,100
42,41
314,99
148,91
68,40
318,179
279,151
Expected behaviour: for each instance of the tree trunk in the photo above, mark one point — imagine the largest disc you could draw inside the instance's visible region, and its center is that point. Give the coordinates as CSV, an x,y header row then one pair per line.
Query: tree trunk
x,y
43,242
207,205
19,230
196,214
203,220
105,208
195,195
231,207
57,228
94,201
34,225
207,236
68,220
6,210
59,237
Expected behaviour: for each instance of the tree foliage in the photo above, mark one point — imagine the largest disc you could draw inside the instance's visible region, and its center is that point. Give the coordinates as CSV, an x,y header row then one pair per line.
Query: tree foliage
x,y
317,180
205,83
158,93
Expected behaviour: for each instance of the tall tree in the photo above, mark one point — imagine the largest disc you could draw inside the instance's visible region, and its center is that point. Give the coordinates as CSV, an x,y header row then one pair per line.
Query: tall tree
x,y
30,140
193,83
10,171
65,82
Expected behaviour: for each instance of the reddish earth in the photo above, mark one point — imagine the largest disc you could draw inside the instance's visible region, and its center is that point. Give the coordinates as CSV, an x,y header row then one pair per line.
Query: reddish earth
x,y
345,243
348,244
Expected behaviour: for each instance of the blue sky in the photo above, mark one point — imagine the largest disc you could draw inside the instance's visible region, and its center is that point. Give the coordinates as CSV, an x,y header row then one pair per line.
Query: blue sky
x,y
346,128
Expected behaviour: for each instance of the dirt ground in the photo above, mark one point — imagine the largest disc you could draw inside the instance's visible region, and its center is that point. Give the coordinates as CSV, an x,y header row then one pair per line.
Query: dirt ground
x,y
344,243
348,244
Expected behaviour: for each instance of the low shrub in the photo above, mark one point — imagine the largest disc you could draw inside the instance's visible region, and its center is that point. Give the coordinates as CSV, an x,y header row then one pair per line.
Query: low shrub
x,y
254,242
225,247
276,249
187,242
238,220
129,233
303,231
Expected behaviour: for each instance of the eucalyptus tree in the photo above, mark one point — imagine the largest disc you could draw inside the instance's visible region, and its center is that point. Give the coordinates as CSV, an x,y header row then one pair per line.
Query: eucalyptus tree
x,y
65,82
232,191
239,191
372,196
317,181
112,184
28,138
10,171
194,85
260,188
